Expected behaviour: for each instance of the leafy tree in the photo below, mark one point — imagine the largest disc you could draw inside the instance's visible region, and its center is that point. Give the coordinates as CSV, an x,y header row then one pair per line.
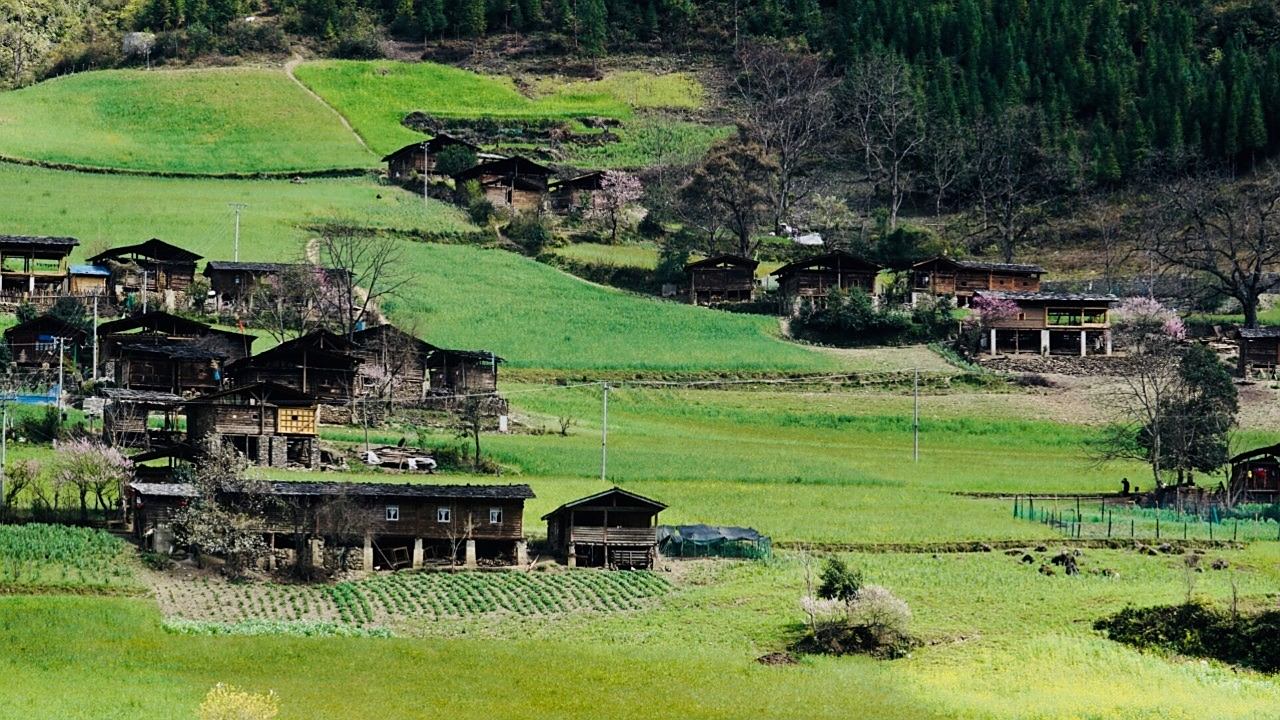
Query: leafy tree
x,y
470,18
454,159
838,581
70,311
26,312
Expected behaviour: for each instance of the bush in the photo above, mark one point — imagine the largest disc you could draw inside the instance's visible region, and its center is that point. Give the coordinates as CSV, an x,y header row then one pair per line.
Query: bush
x,y
532,232
838,581
44,427
481,210
226,702
849,317
1200,630
454,159
242,37
871,621
358,40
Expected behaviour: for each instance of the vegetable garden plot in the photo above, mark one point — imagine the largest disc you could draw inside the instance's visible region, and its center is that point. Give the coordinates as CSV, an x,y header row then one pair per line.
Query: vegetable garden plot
x,y
410,595
37,556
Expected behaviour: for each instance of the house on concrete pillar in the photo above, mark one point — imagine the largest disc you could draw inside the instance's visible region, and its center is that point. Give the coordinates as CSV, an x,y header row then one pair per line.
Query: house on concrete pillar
x,y
418,159
723,278
271,425
376,526
960,279
1051,324
805,283
614,528
34,268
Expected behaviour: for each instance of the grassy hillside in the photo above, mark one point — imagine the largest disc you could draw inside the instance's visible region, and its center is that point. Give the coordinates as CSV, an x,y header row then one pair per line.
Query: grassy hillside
x,y
376,95
193,121
106,210
539,317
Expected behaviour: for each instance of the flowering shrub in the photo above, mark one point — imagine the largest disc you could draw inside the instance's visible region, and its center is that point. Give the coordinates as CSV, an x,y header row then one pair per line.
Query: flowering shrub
x,y
985,310
226,702
1146,316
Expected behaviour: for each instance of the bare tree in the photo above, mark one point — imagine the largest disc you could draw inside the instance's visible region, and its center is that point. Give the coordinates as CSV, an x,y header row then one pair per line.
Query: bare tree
x,y
1114,229
363,270
458,533
1226,232
1011,181
731,189
789,109
886,126
18,477
947,156
618,191
468,423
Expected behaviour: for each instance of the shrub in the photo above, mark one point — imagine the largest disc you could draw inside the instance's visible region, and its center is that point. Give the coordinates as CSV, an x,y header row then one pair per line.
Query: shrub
x,y
838,581
1200,630
226,702
850,317
872,621
26,312
42,427
454,159
481,210
358,39
532,232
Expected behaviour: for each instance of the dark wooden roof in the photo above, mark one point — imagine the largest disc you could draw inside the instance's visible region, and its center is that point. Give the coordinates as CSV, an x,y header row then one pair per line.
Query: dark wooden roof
x,y
1034,297
1272,450
140,397
719,260
358,489
161,321
154,249
162,348
982,265
181,451
46,324
517,166
586,181
1260,333
38,242
832,261
248,267
370,335
264,393
319,345
634,500
434,145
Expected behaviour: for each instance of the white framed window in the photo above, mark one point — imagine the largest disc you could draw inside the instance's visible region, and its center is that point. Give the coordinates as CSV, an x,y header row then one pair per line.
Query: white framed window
x,y
393,513
495,516
443,514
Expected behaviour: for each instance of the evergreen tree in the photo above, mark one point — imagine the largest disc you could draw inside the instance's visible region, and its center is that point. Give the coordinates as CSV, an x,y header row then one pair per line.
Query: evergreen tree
x,y
470,20
593,27
432,18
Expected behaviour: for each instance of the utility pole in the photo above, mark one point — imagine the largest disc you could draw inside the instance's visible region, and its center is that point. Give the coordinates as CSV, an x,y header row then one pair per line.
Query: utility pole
x,y
604,435
235,248
144,292
62,348
94,375
915,416
425,172
4,442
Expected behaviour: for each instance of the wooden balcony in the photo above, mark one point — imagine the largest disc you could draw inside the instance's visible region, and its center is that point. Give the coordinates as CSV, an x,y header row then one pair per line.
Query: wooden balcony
x,y
613,536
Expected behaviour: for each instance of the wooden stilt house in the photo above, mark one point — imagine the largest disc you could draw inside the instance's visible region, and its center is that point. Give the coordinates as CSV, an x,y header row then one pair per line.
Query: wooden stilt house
x,y
614,528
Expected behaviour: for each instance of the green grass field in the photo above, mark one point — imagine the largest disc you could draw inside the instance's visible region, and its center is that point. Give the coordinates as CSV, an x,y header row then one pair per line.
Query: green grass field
x,y
538,317
376,95
190,121
109,210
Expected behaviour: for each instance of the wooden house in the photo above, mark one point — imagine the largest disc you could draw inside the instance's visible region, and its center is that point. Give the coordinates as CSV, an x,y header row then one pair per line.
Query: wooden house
x,y
271,425
418,159
89,281
398,365
614,528
805,283
32,267
576,194
723,278
319,363
158,265
1255,476
1259,349
165,327
1051,324
171,366
36,342
389,525
517,183
127,414
233,284
960,279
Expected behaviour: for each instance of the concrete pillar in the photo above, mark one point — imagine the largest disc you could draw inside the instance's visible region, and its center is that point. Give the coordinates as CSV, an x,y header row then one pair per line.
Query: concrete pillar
x,y
471,554
992,347
162,541
522,553
417,552
368,553
1084,343
572,560
1044,342
1106,338
317,552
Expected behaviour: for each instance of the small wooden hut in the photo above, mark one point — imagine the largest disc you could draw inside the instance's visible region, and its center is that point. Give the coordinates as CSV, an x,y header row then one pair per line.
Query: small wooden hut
x,y
576,194
516,183
171,366
127,413
1255,475
88,280
37,342
614,528
320,364
159,265
805,283
960,279
1259,349
722,278
417,159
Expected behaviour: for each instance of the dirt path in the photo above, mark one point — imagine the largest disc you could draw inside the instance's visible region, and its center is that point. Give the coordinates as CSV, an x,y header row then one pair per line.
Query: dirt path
x,y
289,67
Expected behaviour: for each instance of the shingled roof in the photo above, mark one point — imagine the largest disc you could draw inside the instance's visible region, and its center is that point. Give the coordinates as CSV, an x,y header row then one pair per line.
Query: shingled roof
x,y
154,249
358,489
1049,296
39,241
